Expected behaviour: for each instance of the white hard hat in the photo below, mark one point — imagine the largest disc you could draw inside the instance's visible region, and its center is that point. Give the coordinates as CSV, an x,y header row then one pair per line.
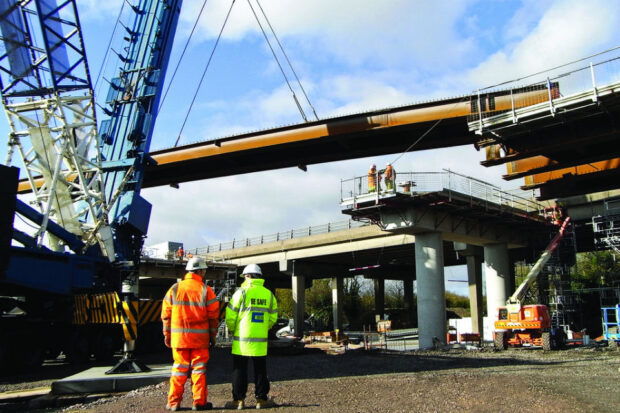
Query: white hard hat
x,y
252,269
373,166
196,263
388,164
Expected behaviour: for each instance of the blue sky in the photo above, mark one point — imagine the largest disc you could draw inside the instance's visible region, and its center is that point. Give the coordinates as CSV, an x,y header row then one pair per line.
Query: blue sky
x,y
351,56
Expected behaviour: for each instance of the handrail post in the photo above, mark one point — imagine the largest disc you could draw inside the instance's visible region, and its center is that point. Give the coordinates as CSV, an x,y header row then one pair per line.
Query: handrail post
x,y
594,90
479,113
512,103
551,107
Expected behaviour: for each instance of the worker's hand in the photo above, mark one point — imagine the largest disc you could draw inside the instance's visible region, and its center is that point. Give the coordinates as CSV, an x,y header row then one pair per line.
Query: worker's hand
x,y
167,341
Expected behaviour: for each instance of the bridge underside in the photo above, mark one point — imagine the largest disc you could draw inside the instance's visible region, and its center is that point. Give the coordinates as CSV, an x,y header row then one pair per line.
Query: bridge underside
x,y
569,150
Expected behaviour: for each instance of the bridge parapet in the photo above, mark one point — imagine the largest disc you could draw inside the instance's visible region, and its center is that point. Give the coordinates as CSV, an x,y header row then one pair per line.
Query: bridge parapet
x,y
355,192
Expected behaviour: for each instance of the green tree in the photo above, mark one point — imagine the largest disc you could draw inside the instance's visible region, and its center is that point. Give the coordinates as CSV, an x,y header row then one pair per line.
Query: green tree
x,y
596,269
319,302
285,302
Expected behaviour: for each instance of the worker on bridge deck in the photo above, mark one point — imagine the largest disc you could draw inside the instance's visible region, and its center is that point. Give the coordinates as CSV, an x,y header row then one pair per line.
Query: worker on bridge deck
x,y
389,177
189,314
180,253
374,178
251,312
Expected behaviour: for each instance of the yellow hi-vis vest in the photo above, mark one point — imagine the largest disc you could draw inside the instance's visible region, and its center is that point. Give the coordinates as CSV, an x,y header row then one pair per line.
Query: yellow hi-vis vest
x,y
251,312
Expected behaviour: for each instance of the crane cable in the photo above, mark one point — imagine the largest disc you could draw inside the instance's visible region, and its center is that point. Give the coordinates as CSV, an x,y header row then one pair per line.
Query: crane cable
x,y
501,84
301,111
204,72
108,48
182,54
287,59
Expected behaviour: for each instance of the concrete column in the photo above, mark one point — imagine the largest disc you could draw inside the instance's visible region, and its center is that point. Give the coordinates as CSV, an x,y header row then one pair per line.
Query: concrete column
x,y
299,303
512,276
474,277
379,298
337,302
431,289
408,293
496,273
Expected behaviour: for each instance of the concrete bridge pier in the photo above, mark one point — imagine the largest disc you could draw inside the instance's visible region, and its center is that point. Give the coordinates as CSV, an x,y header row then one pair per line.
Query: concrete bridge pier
x,y
408,295
473,256
337,302
298,287
379,299
298,283
497,273
431,289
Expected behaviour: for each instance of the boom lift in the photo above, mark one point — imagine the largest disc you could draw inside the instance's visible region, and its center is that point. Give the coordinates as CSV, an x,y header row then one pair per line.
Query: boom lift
x,y
519,324
76,274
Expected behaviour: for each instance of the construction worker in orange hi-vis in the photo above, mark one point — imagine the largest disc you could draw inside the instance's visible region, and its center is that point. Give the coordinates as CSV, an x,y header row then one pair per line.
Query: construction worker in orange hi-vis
x,y
189,314
389,177
180,253
373,177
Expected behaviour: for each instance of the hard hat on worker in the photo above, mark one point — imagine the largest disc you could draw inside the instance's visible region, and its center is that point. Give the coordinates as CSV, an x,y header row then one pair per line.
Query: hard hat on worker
x,y
252,269
388,164
373,166
196,263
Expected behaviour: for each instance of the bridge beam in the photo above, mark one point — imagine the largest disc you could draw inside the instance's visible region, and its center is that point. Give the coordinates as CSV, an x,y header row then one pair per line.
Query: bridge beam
x,y
431,289
453,227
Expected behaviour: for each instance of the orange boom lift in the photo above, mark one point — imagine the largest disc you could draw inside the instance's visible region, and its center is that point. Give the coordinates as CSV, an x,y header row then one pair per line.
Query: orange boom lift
x,y
518,324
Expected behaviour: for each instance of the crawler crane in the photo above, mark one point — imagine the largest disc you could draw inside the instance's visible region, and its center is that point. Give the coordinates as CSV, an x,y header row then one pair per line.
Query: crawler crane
x,y
71,284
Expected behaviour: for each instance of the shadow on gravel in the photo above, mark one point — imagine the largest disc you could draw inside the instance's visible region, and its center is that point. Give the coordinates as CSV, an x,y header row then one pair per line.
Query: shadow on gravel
x,y
309,364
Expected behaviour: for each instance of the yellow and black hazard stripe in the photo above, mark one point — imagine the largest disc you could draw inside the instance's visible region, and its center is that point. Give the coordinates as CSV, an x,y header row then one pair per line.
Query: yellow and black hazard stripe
x,y
107,308
80,309
150,311
96,309
128,311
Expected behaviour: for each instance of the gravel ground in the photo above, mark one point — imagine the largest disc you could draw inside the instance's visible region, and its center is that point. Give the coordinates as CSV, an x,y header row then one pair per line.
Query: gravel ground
x,y
578,380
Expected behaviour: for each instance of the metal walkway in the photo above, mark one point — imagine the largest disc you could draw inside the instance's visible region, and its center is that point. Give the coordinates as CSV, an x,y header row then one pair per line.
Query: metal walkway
x,y
473,197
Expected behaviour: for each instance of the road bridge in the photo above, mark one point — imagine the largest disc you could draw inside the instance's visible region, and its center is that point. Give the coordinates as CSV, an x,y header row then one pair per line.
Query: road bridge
x,y
470,222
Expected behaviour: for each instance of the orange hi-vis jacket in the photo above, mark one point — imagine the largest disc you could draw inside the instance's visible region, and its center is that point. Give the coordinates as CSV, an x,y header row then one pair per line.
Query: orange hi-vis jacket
x,y
190,313
372,178
389,172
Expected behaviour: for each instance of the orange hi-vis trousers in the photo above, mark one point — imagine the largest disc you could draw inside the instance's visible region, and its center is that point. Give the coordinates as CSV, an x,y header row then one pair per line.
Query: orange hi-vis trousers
x,y
189,361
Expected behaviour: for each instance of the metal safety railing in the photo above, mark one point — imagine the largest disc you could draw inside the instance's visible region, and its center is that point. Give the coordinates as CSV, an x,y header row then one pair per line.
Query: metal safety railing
x,y
280,236
354,190
588,77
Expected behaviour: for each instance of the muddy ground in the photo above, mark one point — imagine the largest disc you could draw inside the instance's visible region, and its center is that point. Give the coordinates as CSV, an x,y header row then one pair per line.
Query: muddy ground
x,y
577,380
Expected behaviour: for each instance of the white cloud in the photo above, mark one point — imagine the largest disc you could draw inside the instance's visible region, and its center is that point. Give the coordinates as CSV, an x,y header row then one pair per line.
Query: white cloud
x,y
97,10
349,31
567,31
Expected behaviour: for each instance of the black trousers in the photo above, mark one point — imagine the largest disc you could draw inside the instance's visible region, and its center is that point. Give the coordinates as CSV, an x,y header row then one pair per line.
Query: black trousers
x,y
240,377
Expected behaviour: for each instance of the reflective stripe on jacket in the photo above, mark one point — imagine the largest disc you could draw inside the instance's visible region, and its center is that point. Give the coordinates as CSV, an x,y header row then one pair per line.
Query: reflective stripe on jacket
x,y
189,313
251,312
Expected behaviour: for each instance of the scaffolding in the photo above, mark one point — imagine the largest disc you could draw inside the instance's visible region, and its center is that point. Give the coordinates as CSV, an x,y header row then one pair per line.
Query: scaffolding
x,y
606,227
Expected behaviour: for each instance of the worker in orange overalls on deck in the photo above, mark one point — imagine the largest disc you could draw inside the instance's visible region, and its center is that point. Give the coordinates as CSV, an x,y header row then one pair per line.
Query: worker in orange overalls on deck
x,y
389,177
180,253
189,314
372,178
